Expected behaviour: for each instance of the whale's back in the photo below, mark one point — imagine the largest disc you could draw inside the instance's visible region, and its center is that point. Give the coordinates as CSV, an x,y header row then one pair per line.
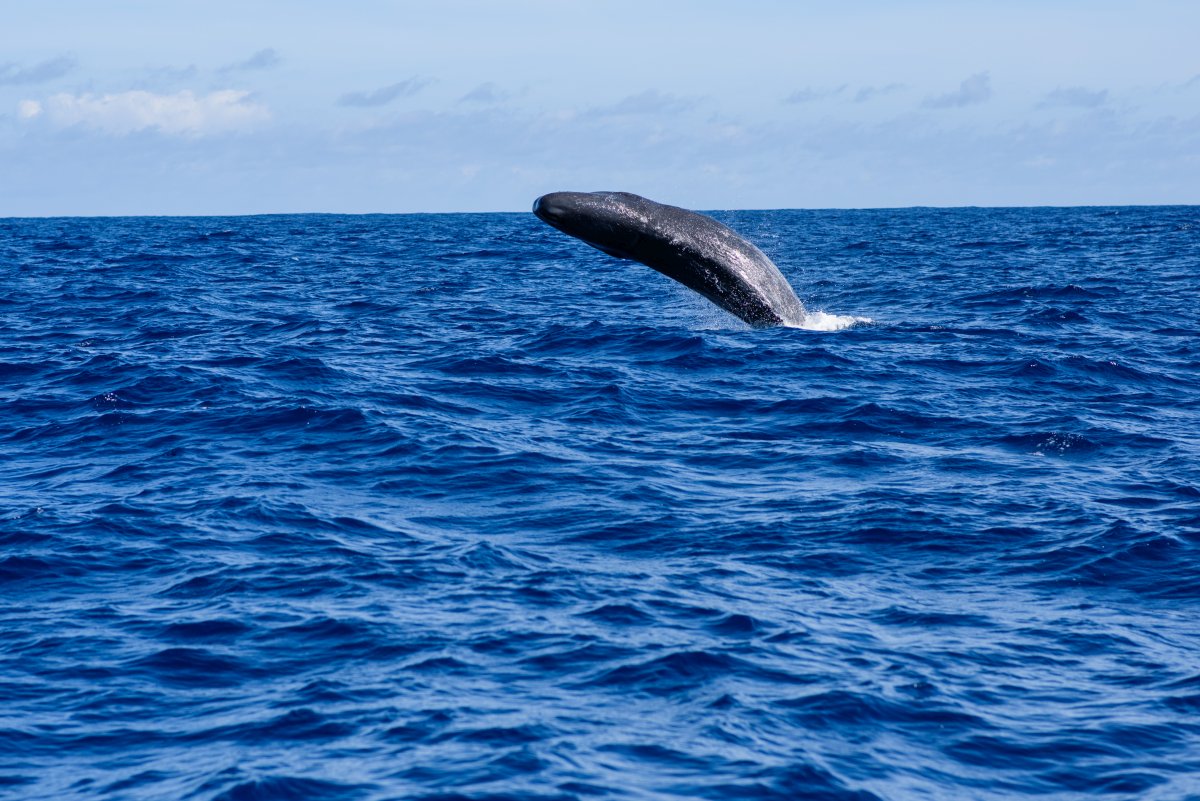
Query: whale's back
x,y
691,248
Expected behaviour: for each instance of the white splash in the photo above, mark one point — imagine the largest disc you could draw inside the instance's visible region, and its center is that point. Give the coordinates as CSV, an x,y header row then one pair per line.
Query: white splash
x,y
822,321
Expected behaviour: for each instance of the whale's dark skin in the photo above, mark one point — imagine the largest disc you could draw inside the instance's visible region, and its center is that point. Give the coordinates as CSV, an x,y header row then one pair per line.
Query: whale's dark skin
x,y
697,251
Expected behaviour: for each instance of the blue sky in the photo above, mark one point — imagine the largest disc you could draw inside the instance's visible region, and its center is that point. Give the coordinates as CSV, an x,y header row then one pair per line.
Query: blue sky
x,y
223,107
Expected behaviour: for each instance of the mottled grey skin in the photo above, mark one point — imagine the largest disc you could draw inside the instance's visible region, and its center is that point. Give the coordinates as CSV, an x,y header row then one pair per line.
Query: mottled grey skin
x,y
695,250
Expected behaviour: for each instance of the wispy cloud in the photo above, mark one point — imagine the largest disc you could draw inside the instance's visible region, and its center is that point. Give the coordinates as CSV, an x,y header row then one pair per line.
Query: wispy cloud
x,y
12,74
484,93
975,89
264,59
165,78
871,92
179,114
387,94
1076,97
173,73
809,94
650,101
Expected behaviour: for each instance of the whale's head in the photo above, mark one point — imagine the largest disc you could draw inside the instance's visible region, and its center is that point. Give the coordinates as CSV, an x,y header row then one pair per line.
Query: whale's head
x,y
614,222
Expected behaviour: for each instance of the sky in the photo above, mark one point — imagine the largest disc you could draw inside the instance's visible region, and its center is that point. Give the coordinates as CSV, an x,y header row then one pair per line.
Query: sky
x,y
363,106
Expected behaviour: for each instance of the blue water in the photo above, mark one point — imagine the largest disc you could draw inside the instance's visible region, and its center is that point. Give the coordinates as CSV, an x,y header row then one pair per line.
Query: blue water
x,y
456,507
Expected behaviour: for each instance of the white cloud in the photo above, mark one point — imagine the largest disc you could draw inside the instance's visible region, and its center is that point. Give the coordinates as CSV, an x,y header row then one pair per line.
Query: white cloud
x,y
870,92
262,60
975,89
14,75
484,93
1075,96
379,97
181,114
650,101
28,109
809,94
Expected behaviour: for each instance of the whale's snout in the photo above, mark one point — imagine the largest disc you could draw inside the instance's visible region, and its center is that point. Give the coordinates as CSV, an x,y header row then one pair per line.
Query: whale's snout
x,y
551,208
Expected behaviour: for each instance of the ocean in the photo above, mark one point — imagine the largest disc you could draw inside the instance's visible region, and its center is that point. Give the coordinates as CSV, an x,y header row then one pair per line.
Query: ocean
x,y
457,507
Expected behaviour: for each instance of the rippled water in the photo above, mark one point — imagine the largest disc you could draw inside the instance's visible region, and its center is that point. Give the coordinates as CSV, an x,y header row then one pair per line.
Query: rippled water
x,y
457,507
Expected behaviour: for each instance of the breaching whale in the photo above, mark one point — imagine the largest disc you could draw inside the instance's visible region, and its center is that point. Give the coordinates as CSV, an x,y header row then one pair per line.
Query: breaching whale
x,y
697,251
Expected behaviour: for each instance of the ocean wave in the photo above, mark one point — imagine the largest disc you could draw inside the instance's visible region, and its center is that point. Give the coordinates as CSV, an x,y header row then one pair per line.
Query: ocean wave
x,y
440,506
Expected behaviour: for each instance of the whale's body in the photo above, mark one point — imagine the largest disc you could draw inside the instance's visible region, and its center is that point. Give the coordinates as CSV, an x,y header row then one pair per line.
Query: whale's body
x,y
697,251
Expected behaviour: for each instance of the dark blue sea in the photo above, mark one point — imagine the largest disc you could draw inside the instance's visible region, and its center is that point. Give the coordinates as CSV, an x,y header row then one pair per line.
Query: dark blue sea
x,y
457,507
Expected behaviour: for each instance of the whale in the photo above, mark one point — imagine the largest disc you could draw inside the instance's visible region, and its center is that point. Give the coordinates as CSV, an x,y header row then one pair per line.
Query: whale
x,y
693,249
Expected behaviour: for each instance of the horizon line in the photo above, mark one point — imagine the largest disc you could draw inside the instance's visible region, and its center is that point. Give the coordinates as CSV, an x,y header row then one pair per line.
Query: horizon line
x,y
510,211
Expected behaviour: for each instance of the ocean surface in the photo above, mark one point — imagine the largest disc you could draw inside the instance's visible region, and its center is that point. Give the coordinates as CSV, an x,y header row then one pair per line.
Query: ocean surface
x,y
457,507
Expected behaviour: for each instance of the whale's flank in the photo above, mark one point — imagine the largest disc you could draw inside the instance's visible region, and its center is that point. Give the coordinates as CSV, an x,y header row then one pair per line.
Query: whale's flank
x,y
695,250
